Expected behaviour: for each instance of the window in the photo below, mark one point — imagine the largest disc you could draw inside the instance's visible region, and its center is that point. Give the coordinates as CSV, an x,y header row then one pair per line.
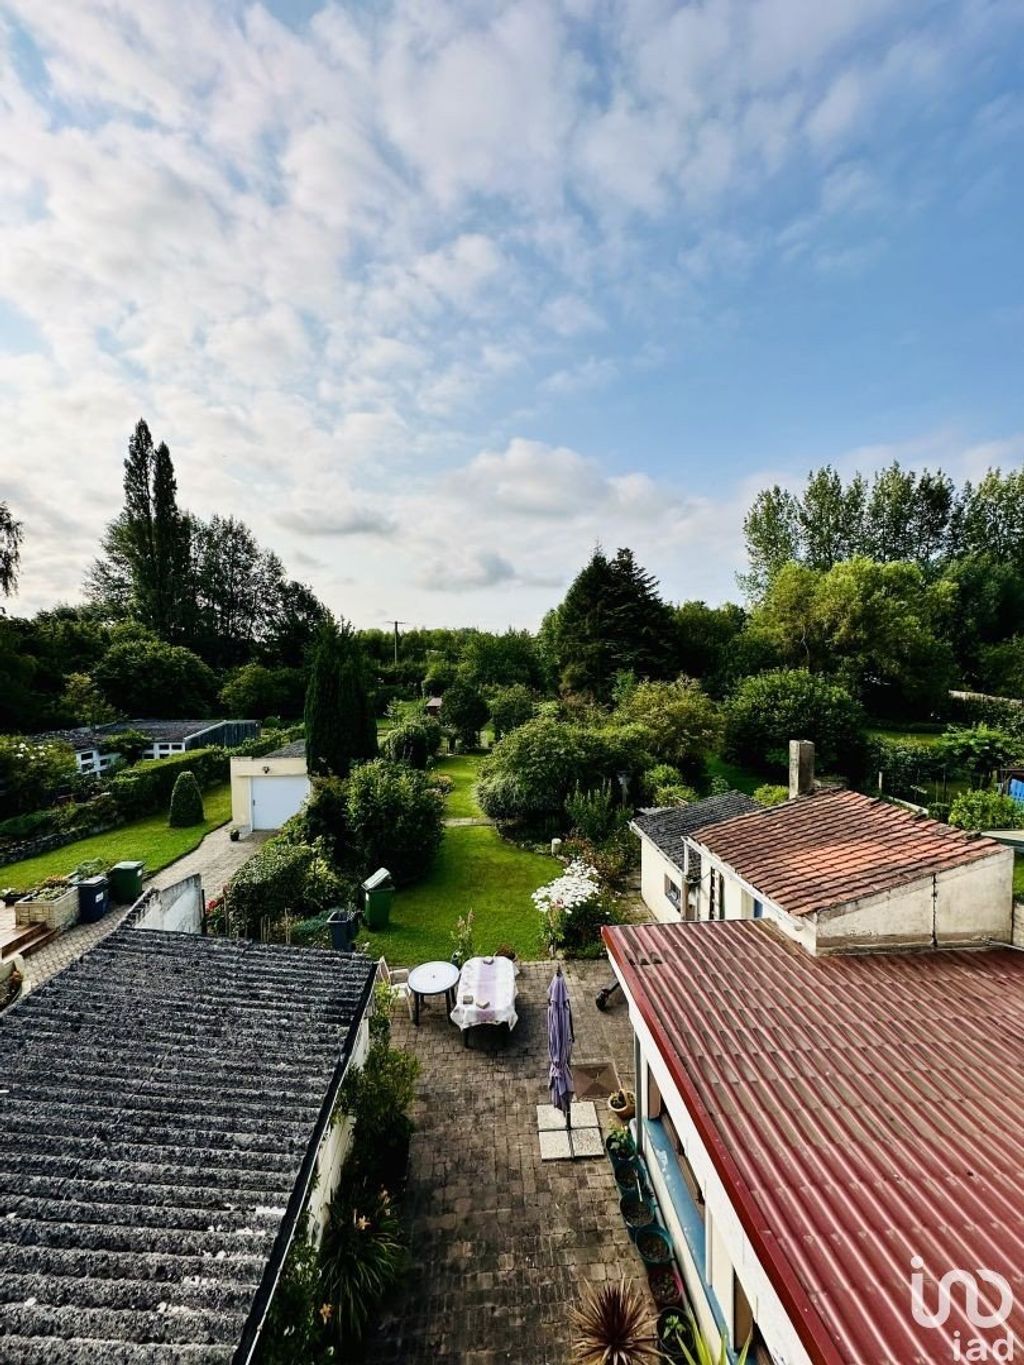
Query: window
x,y
673,893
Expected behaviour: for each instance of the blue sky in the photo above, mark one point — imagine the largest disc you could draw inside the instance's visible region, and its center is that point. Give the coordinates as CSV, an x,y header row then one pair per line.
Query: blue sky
x,y
436,296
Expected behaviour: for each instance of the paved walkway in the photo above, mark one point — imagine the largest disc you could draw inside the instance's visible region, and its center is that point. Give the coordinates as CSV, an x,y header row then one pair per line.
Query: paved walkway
x,y
459,821
215,859
502,1242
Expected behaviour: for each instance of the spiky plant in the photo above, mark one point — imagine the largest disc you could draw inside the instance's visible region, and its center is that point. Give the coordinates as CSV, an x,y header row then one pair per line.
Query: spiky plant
x,y
701,1352
614,1327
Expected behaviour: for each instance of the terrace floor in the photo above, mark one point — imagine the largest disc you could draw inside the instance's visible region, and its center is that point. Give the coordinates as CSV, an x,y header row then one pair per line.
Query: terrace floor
x,y
501,1241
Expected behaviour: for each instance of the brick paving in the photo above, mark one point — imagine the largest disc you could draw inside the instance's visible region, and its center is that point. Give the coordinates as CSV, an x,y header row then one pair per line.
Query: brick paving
x,y
502,1242
216,859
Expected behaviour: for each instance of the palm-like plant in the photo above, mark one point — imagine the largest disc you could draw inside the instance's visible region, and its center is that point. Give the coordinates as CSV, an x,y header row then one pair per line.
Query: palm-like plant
x,y
701,1353
362,1256
614,1327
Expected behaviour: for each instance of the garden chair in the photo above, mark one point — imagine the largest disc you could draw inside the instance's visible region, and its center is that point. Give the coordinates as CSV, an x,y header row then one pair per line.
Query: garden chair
x,y
397,981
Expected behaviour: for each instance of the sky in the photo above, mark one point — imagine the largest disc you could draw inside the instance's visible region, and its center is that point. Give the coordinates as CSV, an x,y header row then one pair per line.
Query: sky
x,y
437,296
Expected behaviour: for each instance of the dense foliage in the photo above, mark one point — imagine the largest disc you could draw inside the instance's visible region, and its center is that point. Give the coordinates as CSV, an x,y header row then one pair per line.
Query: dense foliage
x,y
510,707
769,709
680,723
147,786
394,818
32,774
986,810
413,741
142,675
270,885
464,712
340,725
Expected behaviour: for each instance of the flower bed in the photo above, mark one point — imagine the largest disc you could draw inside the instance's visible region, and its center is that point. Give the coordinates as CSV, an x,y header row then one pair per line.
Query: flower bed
x,y
574,908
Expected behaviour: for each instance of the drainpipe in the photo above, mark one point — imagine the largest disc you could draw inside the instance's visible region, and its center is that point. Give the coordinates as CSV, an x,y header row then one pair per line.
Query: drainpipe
x,y
640,1084
935,901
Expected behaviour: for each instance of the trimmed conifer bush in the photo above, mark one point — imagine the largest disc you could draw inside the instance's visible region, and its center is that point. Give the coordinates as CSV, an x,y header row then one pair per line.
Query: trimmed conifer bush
x,y
186,802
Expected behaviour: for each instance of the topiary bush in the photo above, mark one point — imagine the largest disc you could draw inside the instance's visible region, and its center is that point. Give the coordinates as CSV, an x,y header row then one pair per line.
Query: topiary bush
x,y
186,802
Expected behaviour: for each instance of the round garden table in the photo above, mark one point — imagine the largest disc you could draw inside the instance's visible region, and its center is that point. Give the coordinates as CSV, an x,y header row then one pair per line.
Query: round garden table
x,y
433,978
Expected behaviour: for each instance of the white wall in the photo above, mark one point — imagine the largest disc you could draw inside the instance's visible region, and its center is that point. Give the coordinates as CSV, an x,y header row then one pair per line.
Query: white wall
x,y
654,868
334,1149
243,770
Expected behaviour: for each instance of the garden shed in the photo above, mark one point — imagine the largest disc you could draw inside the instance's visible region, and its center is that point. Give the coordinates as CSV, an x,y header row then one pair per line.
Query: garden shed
x,y
267,791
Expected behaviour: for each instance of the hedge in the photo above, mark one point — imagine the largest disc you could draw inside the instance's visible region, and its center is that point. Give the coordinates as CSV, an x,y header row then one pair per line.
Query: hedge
x,y
271,884
146,788
268,742
907,767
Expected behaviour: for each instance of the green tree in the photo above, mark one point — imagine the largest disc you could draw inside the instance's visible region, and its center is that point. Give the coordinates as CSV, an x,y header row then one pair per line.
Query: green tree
x,y
464,712
340,725
771,530
991,517
770,709
32,774
979,750
414,741
186,803
490,660
989,607
253,690
238,587
704,639
831,518
612,619
511,707
84,702
11,535
143,676
908,515
681,722
294,614
1002,667
395,819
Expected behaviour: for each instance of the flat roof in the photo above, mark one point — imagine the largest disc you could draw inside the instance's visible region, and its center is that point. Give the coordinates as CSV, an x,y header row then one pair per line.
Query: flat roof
x,y
859,1110
296,749
165,731
667,826
160,1100
825,850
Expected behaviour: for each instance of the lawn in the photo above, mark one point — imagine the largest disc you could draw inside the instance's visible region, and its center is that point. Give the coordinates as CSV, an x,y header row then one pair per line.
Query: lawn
x,y
462,769
1018,876
475,870
907,736
150,839
740,779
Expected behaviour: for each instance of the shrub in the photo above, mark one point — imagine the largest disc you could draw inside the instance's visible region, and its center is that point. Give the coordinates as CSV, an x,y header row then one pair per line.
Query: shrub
x,y
379,1096
681,720
32,822
978,750
674,794
574,909
613,860
595,814
270,885
362,1255
530,774
394,819
32,774
414,741
146,788
907,767
770,709
771,795
986,810
186,802
273,737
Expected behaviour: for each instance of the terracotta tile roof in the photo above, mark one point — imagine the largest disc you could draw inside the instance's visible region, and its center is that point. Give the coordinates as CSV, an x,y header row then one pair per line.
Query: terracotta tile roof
x,y
859,1110
835,847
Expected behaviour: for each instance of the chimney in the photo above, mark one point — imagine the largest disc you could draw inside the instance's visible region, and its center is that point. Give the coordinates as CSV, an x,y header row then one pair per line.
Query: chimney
x,y
801,768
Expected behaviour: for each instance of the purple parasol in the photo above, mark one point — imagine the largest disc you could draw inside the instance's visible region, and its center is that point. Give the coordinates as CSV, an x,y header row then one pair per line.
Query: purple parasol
x,y
560,1041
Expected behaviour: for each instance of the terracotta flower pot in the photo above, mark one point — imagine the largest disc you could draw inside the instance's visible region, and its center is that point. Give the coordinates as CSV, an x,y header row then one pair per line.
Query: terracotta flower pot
x,y
623,1105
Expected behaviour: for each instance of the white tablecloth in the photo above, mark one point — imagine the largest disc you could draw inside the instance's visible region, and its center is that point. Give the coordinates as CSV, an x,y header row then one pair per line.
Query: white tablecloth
x,y
486,993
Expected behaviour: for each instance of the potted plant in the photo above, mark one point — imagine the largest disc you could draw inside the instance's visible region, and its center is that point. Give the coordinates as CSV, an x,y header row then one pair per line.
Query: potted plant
x,y
665,1286
622,1104
654,1246
637,1212
462,940
233,834
677,1333
619,1145
613,1324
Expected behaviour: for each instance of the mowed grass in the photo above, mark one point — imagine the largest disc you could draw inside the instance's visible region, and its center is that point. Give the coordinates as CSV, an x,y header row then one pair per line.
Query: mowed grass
x,y
151,840
926,737
475,870
740,779
463,769
1018,876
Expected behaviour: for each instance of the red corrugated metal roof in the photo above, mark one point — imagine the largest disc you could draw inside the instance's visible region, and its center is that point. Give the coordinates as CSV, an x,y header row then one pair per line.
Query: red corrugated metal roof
x,y
836,847
860,1111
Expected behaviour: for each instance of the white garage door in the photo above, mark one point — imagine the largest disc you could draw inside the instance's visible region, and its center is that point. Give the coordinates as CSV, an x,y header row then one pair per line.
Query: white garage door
x,y
274,799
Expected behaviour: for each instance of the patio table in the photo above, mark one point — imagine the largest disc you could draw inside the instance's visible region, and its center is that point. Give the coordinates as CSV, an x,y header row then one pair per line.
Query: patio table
x,y
432,978
486,994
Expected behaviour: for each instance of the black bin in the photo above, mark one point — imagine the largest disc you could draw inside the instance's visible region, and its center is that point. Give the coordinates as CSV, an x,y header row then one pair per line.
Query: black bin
x,y
343,925
93,899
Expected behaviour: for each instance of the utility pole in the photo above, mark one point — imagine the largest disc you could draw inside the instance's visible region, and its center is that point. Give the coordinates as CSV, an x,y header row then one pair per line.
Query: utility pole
x,y
396,624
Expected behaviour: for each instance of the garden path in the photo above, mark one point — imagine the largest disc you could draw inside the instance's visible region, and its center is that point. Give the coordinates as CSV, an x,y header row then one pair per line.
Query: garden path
x,y
502,1242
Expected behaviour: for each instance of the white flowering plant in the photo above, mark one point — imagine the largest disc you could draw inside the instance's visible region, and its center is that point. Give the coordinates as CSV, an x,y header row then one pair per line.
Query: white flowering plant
x,y
574,907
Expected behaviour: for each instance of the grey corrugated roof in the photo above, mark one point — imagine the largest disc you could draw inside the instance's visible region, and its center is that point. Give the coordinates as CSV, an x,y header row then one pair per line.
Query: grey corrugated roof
x,y
159,1101
667,827
297,749
159,731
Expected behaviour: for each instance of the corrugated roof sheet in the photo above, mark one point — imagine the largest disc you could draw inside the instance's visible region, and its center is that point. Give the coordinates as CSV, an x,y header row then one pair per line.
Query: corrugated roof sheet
x,y
835,847
157,1102
666,828
297,749
860,1110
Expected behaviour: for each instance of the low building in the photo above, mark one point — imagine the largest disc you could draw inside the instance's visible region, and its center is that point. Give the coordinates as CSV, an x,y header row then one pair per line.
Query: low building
x,y
267,791
666,883
166,1114
94,752
834,1142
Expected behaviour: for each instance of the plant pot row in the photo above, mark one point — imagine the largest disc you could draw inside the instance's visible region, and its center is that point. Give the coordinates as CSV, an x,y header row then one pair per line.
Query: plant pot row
x,y
653,1244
